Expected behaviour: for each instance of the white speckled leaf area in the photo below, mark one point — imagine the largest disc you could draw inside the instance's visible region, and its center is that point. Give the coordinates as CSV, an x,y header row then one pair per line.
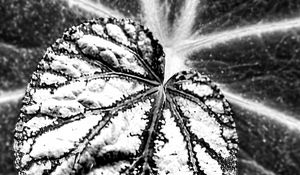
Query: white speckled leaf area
x,y
98,104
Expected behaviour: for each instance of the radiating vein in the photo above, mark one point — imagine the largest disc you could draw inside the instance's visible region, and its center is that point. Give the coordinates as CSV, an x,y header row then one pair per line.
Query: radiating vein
x,y
156,114
95,7
253,163
182,31
185,132
128,101
11,95
246,159
184,24
118,74
289,121
198,42
155,19
9,46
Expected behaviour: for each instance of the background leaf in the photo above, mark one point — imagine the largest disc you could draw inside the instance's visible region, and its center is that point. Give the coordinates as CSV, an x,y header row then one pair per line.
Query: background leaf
x,y
254,49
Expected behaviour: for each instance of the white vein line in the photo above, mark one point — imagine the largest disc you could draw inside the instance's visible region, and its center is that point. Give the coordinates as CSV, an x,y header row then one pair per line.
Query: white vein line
x,y
174,60
289,121
9,46
155,19
11,95
197,42
257,166
95,7
185,22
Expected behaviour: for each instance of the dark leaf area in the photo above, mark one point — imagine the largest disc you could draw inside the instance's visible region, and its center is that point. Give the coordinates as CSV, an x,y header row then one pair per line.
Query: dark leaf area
x,y
222,15
19,69
264,68
36,23
130,8
27,28
8,113
278,149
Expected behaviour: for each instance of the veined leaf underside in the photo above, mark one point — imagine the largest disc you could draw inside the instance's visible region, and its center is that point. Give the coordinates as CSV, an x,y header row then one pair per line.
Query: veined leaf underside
x,y
98,104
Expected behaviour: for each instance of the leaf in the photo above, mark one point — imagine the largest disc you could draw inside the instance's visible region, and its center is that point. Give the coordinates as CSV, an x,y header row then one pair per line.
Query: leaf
x,y
266,112
98,104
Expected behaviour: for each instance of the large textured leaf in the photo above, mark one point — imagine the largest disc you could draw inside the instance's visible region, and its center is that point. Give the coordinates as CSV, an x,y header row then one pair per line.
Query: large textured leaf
x,y
97,104
249,47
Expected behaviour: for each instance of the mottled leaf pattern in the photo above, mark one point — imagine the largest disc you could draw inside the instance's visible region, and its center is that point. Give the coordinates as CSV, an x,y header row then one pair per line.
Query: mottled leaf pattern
x,y
98,104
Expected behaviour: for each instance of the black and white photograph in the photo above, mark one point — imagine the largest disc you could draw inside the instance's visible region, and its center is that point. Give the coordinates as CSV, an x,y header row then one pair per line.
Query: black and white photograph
x,y
149,87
